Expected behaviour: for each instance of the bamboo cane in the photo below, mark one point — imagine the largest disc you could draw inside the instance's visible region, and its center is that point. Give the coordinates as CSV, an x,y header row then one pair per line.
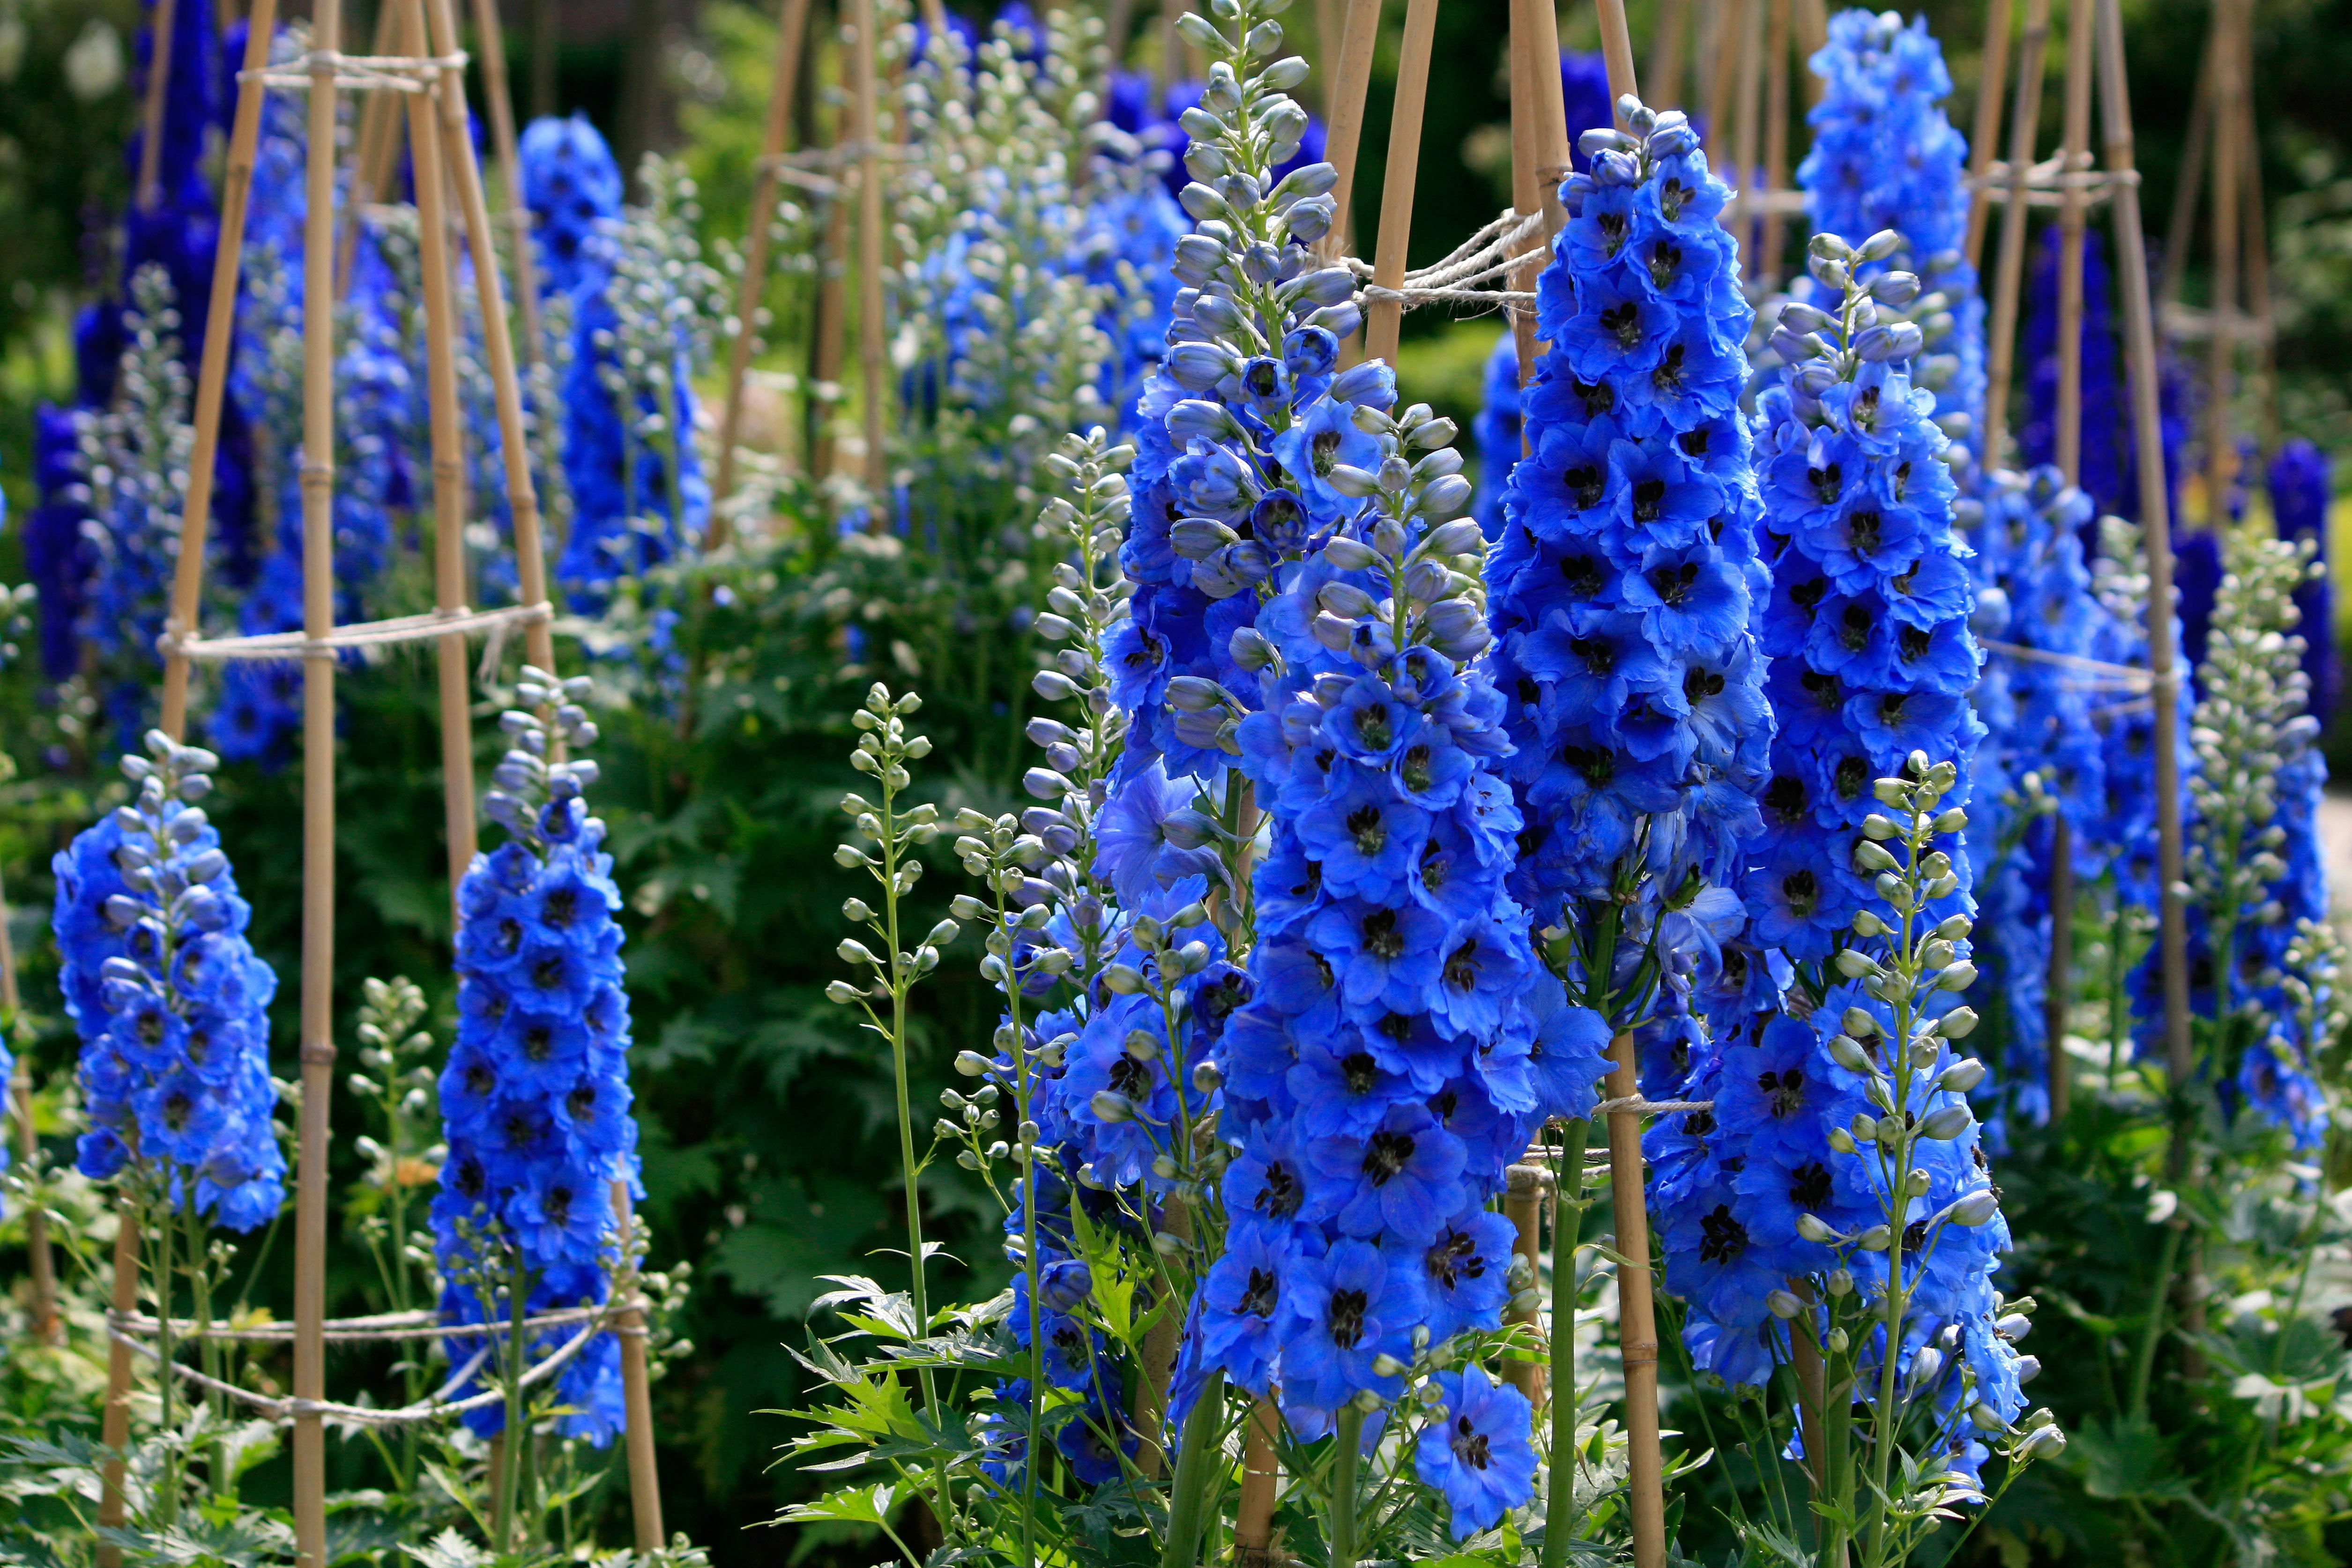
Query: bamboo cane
x,y
1350,86
2016,218
2156,524
636,1388
2222,341
375,152
448,470
832,331
2081,29
490,34
1776,142
318,1048
1261,1476
20,1093
1812,37
1666,46
1525,197
870,337
1637,1326
523,498
1523,1206
1386,318
789,32
159,92
2181,231
1729,27
1745,150
1616,50
1992,80
2256,235
212,371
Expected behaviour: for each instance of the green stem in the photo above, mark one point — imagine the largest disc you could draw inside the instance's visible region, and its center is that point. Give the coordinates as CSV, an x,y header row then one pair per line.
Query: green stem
x,y
166,1379
900,980
2144,1364
1343,1486
1187,1489
1559,1508
511,1452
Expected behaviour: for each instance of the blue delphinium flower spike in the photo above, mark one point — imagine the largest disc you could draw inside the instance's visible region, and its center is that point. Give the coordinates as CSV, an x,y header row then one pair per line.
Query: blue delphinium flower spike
x,y
169,998
535,1097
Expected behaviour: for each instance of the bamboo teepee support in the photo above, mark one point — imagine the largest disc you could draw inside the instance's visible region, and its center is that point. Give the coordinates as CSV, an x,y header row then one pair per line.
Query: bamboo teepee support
x,y
1637,1323
1668,38
1767,263
375,154
1523,1195
490,35
863,119
1992,82
2081,30
448,471
159,93
1739,212
2016,216
790,33
636,1387
2227,51
316,1011
42,1261
2156,527
1386,318
1350,88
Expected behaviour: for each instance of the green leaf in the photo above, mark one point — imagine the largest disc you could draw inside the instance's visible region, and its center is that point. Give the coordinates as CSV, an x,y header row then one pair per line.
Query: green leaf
x,y
852,1505
795,1232
2125,1459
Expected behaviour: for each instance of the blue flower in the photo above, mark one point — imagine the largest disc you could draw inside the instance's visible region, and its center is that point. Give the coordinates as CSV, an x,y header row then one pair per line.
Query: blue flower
x,y
1478,1449
1350,1308
535,1097
169,998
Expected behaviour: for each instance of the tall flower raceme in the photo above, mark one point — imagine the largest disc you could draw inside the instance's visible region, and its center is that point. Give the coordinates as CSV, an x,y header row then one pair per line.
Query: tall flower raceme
x,y
1497,431
642,333
170,999
133,455
2300,494
2255,874
535,1097
2041,755
1624,578
1884,156
1867,626
573,187
1837,1196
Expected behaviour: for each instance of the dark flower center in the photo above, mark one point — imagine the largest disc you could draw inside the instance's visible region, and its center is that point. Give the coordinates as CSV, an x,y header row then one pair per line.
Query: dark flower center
x,y
1673,584
1854,628
1809,1185
1263,1292
1387,1155
1826,482
1721,1236
1582,574
1383,940
1129,1076
1668,376
1453,1257
1700,683
1374,729
1671,195
1623,322
1585,483
1807,596
1613,232
1348,1317
1367,827
1863,531
1800,892
479,1080
1912,643
151,1028
1784,798
1665,262
1358,1072
557,1206
1462,966
1417,770
561,908
1784,1091
1469,1444
179,1109
1649,501
1598,654
580,1103
1596,765
1852,773
1282,1193
1325,450
1692,442
1597,397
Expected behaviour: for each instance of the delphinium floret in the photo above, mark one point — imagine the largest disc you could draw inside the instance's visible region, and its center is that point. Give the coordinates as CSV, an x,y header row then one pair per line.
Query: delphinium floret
x,y
535,1097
